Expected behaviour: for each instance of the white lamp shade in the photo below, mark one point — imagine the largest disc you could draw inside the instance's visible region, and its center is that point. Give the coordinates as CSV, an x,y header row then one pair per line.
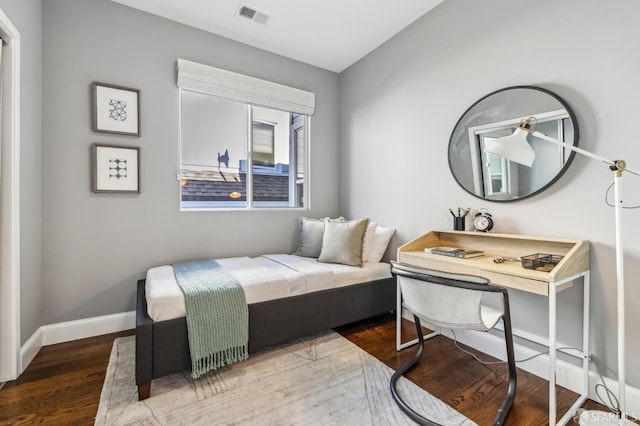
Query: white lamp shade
x,y
514,148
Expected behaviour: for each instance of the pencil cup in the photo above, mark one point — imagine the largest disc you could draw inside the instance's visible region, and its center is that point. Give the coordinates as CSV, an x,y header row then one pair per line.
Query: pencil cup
x,y
459,223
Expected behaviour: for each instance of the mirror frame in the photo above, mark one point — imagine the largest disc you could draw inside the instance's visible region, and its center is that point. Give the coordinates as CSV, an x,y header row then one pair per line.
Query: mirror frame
x,y
576,137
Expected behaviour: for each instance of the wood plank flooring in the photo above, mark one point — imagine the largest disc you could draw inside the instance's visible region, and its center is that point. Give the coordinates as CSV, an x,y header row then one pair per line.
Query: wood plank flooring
x,y
63,383
61,386
474,389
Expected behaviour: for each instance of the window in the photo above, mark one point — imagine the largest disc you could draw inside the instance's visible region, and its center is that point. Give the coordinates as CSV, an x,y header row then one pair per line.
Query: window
x,y
496,172
499,179
238,151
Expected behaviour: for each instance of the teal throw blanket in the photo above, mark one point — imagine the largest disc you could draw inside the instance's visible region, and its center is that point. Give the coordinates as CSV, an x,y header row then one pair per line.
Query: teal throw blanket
x,y
217,315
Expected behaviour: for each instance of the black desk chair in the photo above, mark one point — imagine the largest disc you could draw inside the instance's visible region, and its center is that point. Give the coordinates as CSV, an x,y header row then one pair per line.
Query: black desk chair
x,y
451,301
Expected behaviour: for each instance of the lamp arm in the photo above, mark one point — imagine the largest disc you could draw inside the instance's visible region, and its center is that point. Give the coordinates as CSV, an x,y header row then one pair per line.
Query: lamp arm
x,y
614,164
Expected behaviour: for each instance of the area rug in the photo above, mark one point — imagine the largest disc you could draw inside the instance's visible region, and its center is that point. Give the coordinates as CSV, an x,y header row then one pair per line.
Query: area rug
x,y
320,380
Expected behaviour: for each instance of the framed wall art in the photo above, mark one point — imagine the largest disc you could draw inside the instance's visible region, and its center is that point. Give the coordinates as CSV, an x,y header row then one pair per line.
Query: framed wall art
x,y
116,169
116,109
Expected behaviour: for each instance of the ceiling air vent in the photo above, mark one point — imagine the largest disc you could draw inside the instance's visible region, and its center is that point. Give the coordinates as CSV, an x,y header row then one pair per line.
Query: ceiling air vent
x,y
252,13
247,12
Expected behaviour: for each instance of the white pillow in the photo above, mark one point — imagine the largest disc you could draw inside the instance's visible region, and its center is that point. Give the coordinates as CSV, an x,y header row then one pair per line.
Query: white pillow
x,y
310,236
374,252
342,241
367,241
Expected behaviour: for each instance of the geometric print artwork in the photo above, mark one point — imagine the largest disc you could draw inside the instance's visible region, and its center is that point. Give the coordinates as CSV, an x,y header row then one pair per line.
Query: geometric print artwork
x,y
117,110
117,168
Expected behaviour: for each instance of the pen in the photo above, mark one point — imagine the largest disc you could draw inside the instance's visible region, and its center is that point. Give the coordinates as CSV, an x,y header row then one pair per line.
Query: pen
x,y
452,214
466,212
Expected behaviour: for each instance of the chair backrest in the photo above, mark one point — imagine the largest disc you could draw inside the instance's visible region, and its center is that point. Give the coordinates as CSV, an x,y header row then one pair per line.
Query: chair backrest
x,y
446,300
451,301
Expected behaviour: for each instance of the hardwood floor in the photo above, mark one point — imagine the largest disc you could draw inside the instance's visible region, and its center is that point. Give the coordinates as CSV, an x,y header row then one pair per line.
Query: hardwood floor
x,y
474,389
61,386
63,383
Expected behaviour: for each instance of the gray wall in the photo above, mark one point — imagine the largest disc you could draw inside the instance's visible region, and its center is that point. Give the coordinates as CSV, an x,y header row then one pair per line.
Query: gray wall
x,y
95,247
400,104
26,15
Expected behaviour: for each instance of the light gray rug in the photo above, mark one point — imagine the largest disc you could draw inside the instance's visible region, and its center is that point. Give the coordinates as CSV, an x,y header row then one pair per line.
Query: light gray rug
x,y
321,380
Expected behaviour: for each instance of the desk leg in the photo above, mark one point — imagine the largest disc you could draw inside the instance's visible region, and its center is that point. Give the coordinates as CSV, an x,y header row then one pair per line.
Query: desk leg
x,y
585,335
398,316
568,416
552,353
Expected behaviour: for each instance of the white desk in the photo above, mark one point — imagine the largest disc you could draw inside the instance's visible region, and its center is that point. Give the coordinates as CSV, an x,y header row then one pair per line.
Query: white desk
x,y
574,264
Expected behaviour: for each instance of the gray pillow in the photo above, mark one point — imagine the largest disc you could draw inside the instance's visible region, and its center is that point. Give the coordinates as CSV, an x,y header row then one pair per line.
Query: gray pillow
x,y
342,241
311,232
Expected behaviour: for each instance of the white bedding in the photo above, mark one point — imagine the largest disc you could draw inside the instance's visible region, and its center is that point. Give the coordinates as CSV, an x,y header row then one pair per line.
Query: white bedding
x,y
263,278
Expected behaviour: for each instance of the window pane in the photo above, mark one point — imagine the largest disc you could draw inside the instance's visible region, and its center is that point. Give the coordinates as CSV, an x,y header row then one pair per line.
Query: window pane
x,y
297,126
278,177
213,152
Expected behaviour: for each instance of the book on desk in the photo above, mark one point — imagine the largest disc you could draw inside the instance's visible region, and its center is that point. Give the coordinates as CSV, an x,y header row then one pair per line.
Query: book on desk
x,y
460,253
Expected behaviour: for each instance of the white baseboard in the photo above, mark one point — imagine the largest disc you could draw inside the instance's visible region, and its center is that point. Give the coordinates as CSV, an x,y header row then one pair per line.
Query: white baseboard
x,y
88,327
74,330
30,349
632,396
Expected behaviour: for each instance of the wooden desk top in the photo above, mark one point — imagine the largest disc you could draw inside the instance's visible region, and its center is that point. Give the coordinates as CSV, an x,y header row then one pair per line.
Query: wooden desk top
x,y
509,274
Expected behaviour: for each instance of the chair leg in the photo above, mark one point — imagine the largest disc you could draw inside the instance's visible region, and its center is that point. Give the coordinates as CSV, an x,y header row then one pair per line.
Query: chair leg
x,y
400,372
511,362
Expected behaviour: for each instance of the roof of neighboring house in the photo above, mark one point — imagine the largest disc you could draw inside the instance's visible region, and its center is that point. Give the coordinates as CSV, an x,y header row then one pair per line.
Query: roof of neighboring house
x,y
218,185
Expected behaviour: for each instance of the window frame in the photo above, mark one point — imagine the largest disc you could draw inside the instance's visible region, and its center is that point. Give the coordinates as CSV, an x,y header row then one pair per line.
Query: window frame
x,y
250,202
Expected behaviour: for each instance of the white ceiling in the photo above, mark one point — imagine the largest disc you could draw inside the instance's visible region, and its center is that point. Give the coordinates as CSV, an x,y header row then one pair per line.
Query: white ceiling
x,y
330,34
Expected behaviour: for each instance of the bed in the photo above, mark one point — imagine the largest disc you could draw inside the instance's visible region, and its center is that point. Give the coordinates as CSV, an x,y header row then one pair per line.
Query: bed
x,y
288,296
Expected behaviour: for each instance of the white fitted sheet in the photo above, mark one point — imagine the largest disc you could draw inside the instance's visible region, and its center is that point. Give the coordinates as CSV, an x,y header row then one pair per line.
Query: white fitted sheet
x,y
263,278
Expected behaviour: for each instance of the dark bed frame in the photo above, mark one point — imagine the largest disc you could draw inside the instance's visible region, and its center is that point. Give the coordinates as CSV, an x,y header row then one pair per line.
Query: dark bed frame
x,y
162,347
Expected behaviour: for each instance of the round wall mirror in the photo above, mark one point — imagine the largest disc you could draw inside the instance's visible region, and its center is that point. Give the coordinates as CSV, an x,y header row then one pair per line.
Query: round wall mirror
x,y
493,178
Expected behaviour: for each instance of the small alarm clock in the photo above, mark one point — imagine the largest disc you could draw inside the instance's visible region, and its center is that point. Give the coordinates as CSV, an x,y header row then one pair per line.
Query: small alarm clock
x,y
483,222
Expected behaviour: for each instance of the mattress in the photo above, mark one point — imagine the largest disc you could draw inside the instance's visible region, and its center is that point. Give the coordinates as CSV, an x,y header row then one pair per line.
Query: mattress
x,y
263,278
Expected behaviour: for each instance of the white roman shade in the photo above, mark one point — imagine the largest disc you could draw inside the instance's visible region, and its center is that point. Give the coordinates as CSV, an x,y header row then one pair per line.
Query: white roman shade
x,y
230,85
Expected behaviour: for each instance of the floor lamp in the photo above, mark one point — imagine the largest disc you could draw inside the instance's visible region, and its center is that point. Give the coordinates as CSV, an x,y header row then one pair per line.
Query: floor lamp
x,y
516,148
